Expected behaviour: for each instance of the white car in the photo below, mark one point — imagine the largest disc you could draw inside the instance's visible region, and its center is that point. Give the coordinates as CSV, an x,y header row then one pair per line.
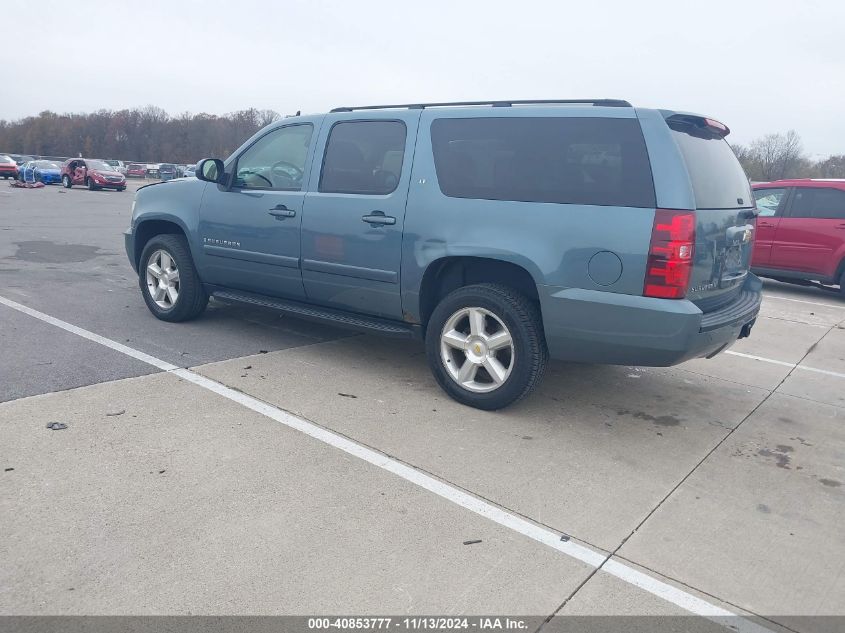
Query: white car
x,y
118,165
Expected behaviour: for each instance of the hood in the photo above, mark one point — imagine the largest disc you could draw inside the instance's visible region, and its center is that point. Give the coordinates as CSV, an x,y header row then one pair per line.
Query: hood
x,y
105,172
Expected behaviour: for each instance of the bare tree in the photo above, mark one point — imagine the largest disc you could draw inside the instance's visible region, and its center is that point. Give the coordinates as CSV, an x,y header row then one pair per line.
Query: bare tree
x,y
779,155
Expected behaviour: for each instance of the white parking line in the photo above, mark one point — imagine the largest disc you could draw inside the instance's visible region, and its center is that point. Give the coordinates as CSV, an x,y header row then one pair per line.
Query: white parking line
x,y
812,303
784,363
667,592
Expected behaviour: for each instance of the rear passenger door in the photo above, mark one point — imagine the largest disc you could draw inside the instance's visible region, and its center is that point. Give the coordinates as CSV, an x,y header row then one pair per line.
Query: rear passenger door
x,y
770,204
355,212
811,236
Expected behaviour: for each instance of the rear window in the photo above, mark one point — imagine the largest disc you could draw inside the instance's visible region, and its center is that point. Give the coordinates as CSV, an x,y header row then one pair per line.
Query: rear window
x,y
718,180
5,159
583,160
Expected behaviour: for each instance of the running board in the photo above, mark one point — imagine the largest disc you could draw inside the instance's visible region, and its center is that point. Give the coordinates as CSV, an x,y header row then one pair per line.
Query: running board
x,y
340,318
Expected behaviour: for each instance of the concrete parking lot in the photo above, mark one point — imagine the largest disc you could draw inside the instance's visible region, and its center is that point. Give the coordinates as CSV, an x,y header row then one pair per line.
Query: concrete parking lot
x,y
253,463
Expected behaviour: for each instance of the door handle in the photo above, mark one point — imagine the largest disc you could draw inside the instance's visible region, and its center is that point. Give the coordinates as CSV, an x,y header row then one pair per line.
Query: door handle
x,y
765,224
378,218
841,227
280,212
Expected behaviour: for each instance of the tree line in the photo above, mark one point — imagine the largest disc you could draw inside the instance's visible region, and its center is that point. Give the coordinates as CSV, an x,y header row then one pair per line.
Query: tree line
x,y
779,156
145,135
151,135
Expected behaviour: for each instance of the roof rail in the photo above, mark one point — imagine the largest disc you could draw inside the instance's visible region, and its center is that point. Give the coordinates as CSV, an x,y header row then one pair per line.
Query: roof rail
x,y
613,103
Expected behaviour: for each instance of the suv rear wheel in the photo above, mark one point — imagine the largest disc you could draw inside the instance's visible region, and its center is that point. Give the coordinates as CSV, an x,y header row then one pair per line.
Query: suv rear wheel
x,y
169,281
485,346
91,185
66,183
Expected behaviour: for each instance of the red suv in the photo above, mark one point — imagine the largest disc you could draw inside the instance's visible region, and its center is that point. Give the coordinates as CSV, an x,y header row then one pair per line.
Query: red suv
x,y
94,174
801,231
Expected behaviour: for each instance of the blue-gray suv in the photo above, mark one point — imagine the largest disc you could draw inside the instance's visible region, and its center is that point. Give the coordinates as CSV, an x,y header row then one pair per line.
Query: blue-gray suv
x,y
500,233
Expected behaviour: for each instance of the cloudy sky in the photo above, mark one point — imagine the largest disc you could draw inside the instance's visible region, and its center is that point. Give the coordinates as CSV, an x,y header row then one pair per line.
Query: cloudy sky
x,y
759,66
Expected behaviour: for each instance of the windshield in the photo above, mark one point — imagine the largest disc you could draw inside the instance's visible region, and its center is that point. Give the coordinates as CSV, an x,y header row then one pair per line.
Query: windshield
x,y
47,164
113,163
5,159
98,164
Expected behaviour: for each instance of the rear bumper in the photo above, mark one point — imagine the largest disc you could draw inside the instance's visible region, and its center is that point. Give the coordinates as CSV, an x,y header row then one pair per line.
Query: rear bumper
x,y
603,327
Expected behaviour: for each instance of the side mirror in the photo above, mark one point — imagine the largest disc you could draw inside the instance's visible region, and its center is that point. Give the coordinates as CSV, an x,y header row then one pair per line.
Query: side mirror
x,y
210,170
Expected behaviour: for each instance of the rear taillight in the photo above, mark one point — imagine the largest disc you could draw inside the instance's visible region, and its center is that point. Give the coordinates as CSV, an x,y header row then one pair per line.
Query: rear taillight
x,y
670,254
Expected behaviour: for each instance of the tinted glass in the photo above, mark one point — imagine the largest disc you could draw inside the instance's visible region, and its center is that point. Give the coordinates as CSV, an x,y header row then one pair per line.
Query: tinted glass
x,y
599,161
768,201
276,160
820,203
718,180
364,157
5,159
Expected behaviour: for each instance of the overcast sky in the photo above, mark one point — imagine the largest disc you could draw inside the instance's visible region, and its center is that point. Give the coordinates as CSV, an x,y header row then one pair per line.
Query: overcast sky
x,y
758,66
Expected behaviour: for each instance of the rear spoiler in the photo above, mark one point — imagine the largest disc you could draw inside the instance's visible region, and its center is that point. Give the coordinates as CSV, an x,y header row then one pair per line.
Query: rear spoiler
x,y
695,125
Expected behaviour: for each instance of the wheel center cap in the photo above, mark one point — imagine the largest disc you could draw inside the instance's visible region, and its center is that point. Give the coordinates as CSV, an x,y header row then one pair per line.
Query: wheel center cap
x,y
476,349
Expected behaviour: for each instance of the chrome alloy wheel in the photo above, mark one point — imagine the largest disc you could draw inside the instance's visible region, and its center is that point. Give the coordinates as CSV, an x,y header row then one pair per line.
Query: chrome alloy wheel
x,y
163,279
477,350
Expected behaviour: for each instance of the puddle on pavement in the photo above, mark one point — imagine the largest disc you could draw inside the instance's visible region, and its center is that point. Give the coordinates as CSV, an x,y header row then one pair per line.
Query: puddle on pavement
x,y
45,252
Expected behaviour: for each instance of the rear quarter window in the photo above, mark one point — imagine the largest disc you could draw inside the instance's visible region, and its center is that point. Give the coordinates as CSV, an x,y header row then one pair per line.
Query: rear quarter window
x,y
568,160
718,180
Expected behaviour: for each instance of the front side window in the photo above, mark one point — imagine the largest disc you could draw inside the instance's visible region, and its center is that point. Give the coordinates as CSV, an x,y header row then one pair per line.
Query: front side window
x,y
276,160
768,201
364,157
568,160
819,203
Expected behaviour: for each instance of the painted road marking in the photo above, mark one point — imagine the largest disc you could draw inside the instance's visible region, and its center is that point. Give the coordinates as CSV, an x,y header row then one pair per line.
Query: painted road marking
x,y
812,303
667,592
783,363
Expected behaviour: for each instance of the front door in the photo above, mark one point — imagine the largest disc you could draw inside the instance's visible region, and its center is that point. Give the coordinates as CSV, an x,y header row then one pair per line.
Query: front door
x,y
811,236
770,203
352,227
249,230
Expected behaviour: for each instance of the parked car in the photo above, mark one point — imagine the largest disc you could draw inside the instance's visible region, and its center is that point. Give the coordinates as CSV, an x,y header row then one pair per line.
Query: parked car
x,y
20,159
801,231
8,167
152,170
136,170
501,236
189,171
47,171
116,165
94,174
167,171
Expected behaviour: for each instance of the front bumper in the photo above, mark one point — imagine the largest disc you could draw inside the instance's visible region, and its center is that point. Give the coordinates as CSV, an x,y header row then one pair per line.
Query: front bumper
x,y
129,245
591,326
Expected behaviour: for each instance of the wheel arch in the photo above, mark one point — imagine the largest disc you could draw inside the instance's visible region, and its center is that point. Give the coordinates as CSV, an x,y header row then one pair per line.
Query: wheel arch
x,y
148,228
449,273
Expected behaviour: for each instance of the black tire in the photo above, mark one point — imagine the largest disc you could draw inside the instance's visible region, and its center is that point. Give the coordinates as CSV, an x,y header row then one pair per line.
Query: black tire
x,y
66,182
91,185
192,298
842,284
121,188
522,318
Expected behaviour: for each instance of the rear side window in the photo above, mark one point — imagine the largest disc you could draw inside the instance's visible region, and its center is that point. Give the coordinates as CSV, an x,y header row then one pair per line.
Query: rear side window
x,y
820,203
718,180
596,161
363,157
768,201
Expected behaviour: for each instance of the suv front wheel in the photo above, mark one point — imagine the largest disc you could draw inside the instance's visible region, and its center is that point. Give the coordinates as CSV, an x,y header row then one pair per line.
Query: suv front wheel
x,y
485,346
169,281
